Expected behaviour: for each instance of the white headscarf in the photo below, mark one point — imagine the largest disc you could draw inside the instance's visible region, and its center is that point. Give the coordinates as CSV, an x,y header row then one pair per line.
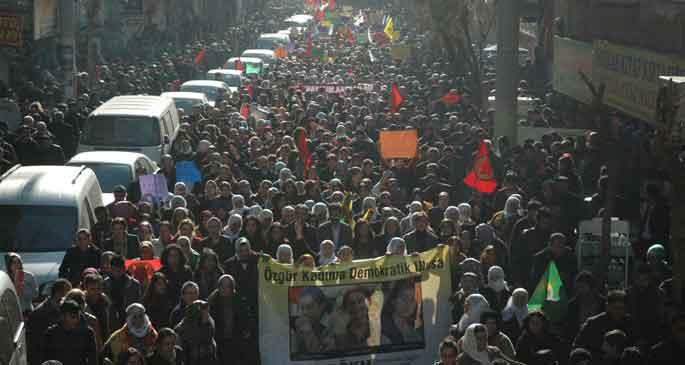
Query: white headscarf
x,y
496,279
132,311
325,260
284,248
512,207
512,310
477,304
470,345
396,247
464,213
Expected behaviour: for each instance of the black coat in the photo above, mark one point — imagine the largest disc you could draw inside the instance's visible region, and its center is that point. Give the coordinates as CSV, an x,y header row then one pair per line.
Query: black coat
x,y
131,292
246,278
45,315
76,347
224,248
591,334
132,243
155,359
420,241
75,261
566,264
325,232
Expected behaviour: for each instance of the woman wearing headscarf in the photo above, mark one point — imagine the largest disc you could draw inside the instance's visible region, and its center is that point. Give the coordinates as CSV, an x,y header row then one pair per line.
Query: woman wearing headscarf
x,y
284,254
514,313
396,247
196,334
24,282
326,253
476,350
496,291
224,308
189,294
208,272
474,305
401,321
504,220
138,333
465,219
389,230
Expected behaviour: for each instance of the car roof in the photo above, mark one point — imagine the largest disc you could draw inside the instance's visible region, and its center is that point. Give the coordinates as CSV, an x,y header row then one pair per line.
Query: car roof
x,y
139,105
225,71
209,83
47,185
274,36
300,18
184,95
266,52
246,59
113,157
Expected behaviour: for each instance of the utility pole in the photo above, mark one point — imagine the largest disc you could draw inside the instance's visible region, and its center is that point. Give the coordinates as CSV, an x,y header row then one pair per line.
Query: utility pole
x,y
68,22
507,73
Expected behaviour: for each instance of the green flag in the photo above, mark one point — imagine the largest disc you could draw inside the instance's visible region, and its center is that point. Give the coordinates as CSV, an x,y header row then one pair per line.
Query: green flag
x,y
251,68
550,295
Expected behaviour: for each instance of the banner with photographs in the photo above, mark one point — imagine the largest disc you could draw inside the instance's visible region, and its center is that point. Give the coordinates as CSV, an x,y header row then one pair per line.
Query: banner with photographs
x,y
378,311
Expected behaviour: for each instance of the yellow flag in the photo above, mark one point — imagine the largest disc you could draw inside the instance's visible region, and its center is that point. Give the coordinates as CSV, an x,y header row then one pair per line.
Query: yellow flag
x,y
390,29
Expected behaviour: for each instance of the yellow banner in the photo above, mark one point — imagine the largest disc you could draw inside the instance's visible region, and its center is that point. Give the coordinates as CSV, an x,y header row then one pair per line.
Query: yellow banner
x,y
348,312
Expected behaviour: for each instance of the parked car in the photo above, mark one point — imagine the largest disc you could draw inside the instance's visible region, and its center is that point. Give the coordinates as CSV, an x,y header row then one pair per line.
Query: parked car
x,y
211,88
234,78
41,209
250,65
186,100
114,168
266,55
133,123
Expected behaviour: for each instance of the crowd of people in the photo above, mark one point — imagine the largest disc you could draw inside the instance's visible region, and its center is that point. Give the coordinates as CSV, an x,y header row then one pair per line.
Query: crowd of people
x,y
258,196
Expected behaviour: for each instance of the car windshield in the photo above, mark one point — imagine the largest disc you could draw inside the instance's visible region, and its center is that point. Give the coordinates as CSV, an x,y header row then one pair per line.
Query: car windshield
x,y
121,131
185,104
210,92
109,174
232,80
267,43
40,228
261,56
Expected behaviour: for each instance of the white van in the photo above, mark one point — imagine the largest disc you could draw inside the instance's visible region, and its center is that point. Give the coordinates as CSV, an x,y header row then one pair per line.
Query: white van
x,y
134,123
12,326
41,209
272,41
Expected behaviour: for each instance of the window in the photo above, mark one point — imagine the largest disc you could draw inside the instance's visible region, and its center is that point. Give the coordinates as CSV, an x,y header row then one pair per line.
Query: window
x,y
40,228
121,131
110,175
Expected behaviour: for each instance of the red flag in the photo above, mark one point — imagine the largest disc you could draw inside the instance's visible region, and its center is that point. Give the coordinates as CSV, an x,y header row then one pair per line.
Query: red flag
x,y
351,39
200,56
250,90
239,65
396,98
319,15
331,4
245,110
142,270
482,175
451,98
303,149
